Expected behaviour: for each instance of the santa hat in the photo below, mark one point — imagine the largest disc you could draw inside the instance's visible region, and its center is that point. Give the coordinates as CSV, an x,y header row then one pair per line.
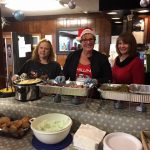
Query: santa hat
x,y
83,31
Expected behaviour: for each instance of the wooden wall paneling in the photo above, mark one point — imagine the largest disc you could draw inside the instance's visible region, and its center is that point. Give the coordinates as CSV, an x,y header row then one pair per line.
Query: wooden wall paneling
x,y
10,27
84,22
52,26
48,26
19,27
61,23
54,42
97,30
101,34
148,31
107,36
31,27
26,27
36,27
145,29
91,22
44,26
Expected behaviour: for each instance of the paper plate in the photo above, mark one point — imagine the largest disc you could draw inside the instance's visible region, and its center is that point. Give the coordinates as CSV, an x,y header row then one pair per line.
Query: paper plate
x,y
121,141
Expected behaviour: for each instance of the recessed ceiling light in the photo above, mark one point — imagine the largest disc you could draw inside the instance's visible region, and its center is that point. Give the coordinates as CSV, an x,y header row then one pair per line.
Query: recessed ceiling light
x,y
85,12
143,11
117,22
115,18
112,13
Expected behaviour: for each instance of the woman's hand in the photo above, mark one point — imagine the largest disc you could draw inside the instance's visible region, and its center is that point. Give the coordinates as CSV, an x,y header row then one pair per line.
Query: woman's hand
x,y
33,74
60,79
90,81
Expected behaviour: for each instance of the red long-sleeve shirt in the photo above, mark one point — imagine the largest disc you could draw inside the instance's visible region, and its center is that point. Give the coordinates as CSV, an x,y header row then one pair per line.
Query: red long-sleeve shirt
x,y
132,72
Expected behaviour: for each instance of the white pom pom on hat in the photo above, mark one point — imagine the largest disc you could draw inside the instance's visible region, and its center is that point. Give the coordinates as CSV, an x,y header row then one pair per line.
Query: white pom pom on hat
x,y
83,31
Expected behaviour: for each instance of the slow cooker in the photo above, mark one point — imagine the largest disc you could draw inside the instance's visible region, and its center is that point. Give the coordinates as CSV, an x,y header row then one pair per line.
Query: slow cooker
x,y
27,92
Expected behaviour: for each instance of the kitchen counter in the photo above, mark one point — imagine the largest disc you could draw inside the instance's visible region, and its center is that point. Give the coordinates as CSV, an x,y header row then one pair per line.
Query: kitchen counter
x,y
99,113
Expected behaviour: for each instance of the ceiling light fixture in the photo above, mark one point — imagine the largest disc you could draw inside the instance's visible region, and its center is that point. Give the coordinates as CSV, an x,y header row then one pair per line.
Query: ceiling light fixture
x,y
117,22
33,5
144,3
18,15
112,13
115,18
71,4
143,11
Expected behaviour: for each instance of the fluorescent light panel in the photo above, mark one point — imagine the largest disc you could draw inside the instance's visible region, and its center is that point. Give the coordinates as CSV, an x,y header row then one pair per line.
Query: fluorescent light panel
x,y
143,11
115,18
112,13
118,22
33,5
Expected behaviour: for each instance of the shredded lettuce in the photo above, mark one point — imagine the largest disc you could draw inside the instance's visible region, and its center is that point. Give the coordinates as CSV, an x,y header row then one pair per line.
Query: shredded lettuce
x,y
52,126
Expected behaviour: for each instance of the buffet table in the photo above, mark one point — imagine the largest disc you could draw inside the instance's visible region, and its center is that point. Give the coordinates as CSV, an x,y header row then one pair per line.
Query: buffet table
x,y
99,113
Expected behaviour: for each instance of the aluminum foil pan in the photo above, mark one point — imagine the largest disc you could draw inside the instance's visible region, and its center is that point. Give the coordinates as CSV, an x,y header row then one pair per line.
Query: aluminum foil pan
x,y
115,87
139,89
132,93
74,88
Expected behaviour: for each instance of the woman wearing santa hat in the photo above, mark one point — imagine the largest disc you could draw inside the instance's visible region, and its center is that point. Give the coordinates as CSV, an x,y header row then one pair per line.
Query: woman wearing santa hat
x,y
87,64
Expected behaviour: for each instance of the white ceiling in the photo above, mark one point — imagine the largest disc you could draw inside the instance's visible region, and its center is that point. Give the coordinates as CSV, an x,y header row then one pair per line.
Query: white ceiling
x,y
82,5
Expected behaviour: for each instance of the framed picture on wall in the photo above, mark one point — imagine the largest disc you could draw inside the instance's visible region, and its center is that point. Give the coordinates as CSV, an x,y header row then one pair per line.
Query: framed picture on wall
x,y
66,41
35,39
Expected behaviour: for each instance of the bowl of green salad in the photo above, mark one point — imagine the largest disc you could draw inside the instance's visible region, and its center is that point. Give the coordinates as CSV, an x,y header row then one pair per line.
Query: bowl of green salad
x,y
51,128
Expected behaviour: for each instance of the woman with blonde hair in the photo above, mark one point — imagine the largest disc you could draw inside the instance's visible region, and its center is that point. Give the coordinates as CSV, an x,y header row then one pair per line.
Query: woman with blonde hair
x,y
41,64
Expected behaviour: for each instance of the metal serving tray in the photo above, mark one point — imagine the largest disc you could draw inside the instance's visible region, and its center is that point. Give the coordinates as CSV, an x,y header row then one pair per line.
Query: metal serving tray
x,y
64,89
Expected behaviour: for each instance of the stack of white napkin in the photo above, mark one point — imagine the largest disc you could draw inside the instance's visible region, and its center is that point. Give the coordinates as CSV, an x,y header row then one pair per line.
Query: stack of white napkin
x,y
88,137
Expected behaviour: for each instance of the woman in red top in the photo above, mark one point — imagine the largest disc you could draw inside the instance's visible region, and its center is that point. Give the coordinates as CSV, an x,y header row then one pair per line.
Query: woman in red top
x,y
128,67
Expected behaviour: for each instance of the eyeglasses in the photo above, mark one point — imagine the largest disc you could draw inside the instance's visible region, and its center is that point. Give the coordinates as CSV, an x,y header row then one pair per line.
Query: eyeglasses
x,y
88,40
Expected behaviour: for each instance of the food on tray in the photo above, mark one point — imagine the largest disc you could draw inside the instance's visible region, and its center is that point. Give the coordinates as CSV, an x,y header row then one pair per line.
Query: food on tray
x,y
115,87
68,88
52,126
72,85
15,128
139,88
28,81
7,90
4,121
